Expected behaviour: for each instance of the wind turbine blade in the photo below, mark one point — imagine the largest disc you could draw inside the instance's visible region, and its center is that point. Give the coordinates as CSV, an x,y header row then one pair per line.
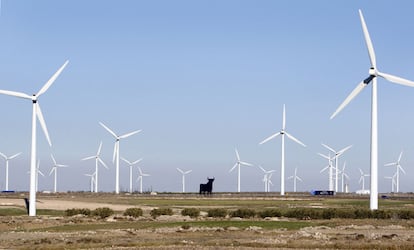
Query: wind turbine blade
x,y
51,171
290,177
351,96
284,118
53,159
368,41
323,169
125,160
16,94
269,138
324,156
109,130
237,154
51,80
390,164
135,162
329,148
188,171
402,170
179,170
235,165
103,163
298,178
246,164
129,134
3,155
14,156
294,139
399,158
396,79
264,171
42,122
344,149
99,149
140,171
115,150
360,170
88,158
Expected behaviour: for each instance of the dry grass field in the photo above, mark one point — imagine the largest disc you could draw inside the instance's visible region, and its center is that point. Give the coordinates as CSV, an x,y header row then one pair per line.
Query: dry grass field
x,y
53,228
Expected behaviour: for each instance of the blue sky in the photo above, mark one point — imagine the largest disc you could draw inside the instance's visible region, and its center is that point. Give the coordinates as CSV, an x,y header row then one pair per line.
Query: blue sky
x,y
201,78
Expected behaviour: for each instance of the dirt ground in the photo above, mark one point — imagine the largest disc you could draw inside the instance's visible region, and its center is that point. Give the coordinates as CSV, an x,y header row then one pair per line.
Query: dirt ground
x,y
119,232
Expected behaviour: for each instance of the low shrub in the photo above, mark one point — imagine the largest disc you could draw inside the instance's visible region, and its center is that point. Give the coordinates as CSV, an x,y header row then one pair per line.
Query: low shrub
x,y
362,213
192,212
270,213
103,212
217,213
405,214
133,212
161,211
304,213
243,213
76,211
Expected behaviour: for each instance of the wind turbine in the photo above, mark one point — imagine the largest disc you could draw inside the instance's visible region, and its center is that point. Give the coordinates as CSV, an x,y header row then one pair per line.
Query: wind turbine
x,y
343,176
266,178
336,157
238,164
7,166
36,113
392,178
282,133
330,168
373,74
92,181
362,179
116,151
183,176
140,178
54,169
97,161
295,177
397,173
130,165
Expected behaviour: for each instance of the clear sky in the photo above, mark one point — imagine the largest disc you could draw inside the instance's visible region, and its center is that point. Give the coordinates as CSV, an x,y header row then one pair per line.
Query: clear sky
x,y
201,78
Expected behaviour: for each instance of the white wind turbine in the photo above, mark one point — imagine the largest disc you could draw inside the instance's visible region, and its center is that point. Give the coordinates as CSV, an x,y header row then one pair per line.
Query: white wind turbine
x,y
92,181
392,178
183,176
7,167
130,165
336,157
330,168
98,160
397,173
373,73
295,177
54,169
116,151
343,176
362,179
36,113
282,133
140,178
266,178
238,164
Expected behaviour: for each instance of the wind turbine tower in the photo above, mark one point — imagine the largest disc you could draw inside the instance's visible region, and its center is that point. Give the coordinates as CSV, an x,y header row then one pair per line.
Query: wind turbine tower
x,y
282,133
183,173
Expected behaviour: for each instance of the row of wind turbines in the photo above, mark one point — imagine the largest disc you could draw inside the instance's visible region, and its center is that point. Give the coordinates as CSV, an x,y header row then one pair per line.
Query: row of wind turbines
x,y
371,79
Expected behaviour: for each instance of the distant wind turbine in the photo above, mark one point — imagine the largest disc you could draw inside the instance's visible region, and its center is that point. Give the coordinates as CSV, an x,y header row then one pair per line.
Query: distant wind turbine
x,y
397,173
330,168
238,164
36,114
140,178
98,160
116,151
130,165
295,177
362,179
392,178
373,74
54,169
343,176
336,157
183,173
37,172
92,180
282,133
266,178
7,159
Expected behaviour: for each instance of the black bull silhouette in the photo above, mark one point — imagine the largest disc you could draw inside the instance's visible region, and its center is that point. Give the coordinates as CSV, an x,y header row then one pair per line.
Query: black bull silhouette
x,y
208,187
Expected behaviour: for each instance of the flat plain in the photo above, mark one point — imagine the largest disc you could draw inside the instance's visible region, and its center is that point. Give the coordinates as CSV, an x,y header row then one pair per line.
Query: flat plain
x,y
52,228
